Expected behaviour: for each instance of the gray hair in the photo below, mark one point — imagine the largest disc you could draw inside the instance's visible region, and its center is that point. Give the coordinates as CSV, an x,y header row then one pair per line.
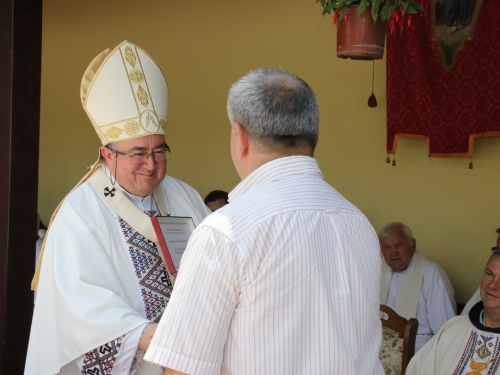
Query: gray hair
x,y
494,254
396,227
277,109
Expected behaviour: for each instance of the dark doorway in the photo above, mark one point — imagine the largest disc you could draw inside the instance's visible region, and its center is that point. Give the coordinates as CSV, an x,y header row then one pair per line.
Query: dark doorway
x,y
20,72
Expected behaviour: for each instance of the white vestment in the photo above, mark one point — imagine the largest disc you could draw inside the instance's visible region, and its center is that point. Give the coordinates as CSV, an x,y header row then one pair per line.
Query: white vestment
x,y
88,293
462,346
436,302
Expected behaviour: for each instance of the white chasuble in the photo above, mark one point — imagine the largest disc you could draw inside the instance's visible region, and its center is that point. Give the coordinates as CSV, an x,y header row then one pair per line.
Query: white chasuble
x,y
88,291
463,346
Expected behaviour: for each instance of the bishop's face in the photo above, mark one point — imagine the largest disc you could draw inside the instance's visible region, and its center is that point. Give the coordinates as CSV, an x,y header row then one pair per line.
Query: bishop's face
x,y
138,177
397,251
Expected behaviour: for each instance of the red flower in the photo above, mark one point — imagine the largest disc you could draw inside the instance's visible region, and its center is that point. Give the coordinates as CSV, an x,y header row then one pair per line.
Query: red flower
x,y
402,24
392,25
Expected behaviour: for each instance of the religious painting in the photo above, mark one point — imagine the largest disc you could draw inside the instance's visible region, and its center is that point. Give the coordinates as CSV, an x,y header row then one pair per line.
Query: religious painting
x,y
449,110
453,23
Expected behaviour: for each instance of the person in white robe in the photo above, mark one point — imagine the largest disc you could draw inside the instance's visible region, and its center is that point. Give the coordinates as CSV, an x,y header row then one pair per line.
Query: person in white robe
x,y
476,297
467,344
413,286
102,283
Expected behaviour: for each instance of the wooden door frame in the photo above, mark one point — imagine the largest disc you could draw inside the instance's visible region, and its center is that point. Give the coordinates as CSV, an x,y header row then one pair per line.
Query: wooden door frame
x,y
20,80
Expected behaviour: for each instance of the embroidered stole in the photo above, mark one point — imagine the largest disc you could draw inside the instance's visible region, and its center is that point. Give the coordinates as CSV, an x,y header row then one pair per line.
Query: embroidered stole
x,y
481,353
120,204
152,276
409,292
126,210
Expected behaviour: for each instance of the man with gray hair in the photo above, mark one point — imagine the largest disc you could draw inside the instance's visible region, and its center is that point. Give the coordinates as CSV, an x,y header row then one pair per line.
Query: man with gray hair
x,y
412,285
476,297
467,344
285,278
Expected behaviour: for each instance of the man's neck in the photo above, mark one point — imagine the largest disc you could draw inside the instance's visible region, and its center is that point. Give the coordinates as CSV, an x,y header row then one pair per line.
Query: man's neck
x,y
491,319
132,196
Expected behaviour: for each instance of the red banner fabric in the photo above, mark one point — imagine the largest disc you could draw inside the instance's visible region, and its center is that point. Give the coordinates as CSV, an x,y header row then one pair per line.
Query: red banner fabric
x,y
448,110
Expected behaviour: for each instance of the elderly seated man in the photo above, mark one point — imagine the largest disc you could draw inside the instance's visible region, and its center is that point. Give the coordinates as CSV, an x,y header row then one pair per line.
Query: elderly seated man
x,y
467,344
413,286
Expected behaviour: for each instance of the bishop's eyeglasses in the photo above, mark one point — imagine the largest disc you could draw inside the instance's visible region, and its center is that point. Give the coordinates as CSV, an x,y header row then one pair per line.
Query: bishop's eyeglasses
x,y
141,157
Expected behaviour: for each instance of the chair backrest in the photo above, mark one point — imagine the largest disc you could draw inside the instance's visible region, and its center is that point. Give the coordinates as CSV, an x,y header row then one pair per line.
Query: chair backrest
x,y
408,330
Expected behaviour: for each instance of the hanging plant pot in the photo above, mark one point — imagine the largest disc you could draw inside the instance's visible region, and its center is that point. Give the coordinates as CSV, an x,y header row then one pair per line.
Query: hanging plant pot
x,y
357,39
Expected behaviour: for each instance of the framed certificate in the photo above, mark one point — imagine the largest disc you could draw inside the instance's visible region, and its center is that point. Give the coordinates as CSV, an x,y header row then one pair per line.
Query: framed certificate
x,y
173,234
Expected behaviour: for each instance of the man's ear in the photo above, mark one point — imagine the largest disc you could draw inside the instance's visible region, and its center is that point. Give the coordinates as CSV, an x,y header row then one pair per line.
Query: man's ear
x,y
242,139
107,154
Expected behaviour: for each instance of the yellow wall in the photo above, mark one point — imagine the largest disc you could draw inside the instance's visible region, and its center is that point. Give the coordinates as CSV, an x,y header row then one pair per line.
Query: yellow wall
x,y
202,48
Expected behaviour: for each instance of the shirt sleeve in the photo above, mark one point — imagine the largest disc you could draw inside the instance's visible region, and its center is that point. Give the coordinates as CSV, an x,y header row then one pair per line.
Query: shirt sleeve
x,y
205,295
117,357
441,305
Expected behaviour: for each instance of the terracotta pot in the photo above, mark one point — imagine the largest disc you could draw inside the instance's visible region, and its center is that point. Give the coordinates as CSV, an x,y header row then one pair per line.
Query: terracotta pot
x,y
357,39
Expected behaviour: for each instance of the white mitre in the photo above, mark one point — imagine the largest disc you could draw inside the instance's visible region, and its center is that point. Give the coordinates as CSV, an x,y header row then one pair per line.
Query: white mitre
x,y
125,94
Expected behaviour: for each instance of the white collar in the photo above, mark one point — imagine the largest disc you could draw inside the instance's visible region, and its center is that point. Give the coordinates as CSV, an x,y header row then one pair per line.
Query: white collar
x,y
276,169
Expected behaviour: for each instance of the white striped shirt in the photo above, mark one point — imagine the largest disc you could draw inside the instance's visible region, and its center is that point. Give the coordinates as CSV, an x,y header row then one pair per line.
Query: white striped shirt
x,y
283,280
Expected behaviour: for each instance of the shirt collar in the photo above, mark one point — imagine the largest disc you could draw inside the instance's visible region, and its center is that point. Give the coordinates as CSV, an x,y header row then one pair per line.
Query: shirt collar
x,y
276,169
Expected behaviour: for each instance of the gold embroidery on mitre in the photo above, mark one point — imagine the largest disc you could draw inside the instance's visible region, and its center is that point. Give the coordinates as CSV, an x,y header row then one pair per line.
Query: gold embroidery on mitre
x,y
163,123
136,76
130,56
142,96
150,120
113,132
132,128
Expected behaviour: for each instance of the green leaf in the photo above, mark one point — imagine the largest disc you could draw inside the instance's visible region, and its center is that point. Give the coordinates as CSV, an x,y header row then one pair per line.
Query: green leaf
x,y
362,6
375,12
342,13
417,5
410,9
385,14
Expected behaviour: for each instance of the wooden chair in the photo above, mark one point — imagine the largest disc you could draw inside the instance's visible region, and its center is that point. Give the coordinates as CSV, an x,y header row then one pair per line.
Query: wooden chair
x,y
408,330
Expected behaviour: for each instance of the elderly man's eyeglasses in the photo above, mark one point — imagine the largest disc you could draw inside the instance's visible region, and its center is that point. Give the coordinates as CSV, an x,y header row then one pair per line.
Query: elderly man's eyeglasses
x,y
139,157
